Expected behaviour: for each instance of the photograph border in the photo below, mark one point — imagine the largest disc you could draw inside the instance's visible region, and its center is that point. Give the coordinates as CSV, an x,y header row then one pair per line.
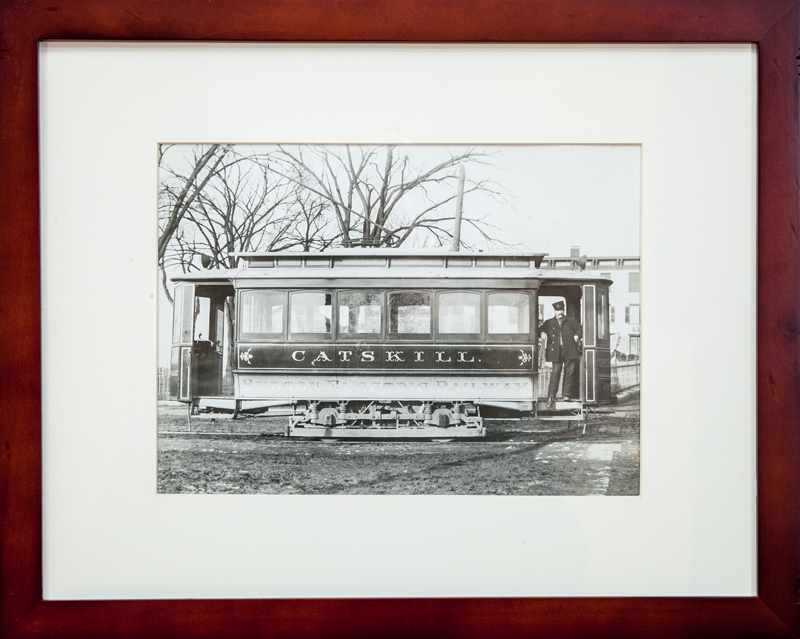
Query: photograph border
x,y
772,25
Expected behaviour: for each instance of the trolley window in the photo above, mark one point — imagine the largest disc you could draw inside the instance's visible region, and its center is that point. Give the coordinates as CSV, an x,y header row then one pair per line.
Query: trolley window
x,y
410,315
459,313
602,316
509,313
590,316
360,314
183,314
310,314
177,314
261,314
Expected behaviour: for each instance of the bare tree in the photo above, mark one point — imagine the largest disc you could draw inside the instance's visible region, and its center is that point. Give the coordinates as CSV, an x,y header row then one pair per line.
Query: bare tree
x,y
240,204
312,225
379,196
179,194
243,208
178,191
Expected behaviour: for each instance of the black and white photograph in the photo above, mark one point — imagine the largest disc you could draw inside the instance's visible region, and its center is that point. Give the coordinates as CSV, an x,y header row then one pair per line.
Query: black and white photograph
x,y
399,319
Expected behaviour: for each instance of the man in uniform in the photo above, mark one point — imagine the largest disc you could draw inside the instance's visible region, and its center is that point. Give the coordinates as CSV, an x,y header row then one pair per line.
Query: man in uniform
x,y
563,350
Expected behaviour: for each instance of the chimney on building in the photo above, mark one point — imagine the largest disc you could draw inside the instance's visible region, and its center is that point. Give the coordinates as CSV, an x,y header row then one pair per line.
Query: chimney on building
x,y
574,251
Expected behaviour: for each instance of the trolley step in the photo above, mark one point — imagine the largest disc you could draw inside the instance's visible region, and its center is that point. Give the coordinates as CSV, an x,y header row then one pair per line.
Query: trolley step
x,y
560,410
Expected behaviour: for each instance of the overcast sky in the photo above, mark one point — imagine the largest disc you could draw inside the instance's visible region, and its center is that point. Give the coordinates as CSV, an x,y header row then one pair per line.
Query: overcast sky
x,y
564,195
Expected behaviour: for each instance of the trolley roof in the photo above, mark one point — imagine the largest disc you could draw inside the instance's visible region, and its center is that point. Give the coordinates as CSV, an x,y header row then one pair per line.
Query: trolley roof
x,y
371,266
253,257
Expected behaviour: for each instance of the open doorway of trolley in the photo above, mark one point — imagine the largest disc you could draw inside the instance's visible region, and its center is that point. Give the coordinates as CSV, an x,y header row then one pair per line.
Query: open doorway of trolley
x,y
558,383
572,334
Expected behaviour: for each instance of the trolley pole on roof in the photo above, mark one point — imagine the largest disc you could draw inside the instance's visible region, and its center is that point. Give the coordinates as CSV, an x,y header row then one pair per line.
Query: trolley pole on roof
x,y
459,202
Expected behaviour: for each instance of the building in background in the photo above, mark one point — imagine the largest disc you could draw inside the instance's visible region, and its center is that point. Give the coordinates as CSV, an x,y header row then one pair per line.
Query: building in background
x,y
624,301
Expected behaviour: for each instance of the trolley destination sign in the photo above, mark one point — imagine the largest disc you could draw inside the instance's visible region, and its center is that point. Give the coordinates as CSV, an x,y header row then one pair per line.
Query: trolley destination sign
x,y
371,357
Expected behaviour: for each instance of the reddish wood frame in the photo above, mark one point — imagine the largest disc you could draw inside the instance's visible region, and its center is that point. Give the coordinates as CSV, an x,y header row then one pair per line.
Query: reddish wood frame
x,y
773,24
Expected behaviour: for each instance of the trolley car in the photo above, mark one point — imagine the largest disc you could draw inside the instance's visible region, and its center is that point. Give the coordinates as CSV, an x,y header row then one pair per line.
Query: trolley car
x,y
381,343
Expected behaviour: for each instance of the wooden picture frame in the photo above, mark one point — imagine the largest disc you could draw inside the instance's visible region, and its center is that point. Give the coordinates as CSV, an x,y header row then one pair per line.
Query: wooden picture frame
x,y
773,25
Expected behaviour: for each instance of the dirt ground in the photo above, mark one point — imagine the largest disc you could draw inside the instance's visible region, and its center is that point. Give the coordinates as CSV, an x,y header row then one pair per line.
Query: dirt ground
x,y
517,457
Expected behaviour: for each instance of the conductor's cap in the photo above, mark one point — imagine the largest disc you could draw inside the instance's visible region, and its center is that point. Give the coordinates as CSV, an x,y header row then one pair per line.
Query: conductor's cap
x,y
559,306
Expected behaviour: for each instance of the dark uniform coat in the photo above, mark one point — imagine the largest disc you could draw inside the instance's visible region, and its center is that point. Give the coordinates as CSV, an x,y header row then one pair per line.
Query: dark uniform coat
x,y
569,329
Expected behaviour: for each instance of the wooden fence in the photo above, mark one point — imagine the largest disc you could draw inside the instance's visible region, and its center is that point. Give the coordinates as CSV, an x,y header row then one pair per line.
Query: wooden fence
x,y
624,376
163,383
